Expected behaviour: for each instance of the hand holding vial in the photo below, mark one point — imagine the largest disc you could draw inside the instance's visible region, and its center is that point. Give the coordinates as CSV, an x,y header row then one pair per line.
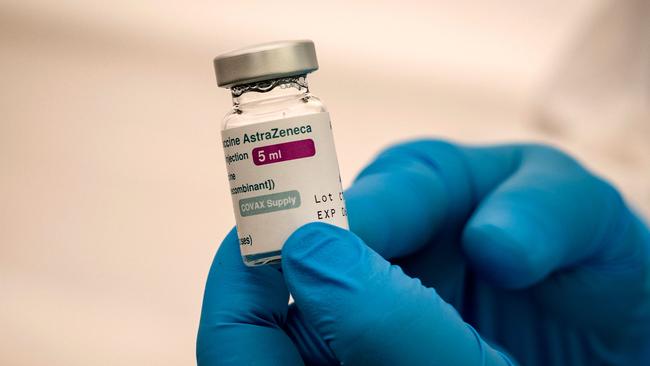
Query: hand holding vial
x,y
457,255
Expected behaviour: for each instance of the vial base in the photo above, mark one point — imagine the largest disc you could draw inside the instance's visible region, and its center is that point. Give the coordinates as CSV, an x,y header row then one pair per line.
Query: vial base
x,y
276,259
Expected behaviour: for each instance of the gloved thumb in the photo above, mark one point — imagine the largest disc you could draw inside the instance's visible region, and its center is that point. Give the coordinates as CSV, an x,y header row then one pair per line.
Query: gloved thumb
x,y
368,311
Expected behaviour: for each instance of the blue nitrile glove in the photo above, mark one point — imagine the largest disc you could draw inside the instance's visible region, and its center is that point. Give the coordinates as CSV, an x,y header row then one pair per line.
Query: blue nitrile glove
x,y
457,256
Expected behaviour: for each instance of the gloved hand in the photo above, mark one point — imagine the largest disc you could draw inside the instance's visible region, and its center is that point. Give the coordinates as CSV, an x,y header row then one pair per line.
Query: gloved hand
x,y
457,256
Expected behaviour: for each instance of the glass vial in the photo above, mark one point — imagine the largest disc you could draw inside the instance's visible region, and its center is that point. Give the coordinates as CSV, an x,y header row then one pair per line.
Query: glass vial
x,y
278,147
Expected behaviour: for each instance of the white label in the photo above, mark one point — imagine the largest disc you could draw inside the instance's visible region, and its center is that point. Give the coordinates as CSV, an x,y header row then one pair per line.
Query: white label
x,y
283,174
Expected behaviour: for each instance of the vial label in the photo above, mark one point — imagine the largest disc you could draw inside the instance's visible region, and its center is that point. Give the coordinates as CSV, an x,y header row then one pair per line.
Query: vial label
x,y
283,174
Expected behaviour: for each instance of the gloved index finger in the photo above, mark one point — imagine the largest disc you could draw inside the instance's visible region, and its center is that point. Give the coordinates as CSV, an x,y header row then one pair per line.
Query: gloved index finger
x,y
414,190
244,309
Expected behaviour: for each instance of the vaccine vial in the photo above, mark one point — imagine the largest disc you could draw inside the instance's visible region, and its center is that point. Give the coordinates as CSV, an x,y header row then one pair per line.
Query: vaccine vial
x,y
278,147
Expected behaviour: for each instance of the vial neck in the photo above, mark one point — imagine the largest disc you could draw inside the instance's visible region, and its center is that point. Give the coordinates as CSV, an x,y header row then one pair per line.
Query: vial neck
x,y
269,91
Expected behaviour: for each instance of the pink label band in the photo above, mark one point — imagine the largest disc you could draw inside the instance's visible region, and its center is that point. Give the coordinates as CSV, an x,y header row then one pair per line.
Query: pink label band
x,y
285,151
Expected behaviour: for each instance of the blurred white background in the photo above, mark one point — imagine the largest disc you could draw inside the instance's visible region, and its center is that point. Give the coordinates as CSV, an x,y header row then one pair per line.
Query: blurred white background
x,y
113,193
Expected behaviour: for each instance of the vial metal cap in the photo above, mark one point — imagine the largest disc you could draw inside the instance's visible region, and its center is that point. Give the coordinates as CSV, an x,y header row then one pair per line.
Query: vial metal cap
x,y
265,61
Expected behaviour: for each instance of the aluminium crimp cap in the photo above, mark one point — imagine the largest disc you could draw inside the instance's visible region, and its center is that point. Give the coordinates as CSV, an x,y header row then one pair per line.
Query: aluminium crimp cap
x,y
265,61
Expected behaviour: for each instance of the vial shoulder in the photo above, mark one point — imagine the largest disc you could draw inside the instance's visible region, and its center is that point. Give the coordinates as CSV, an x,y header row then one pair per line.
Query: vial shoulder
x,y
238,117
